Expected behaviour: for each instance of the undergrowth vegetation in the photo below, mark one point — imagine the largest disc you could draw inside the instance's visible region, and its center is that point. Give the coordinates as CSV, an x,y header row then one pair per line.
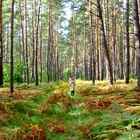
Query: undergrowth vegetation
x,y
49,112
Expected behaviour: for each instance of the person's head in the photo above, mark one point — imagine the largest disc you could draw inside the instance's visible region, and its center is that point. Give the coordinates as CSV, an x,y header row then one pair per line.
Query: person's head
x,y
73,77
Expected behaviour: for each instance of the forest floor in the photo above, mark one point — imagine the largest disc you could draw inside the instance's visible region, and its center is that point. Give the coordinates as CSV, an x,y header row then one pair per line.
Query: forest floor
x,y
49,112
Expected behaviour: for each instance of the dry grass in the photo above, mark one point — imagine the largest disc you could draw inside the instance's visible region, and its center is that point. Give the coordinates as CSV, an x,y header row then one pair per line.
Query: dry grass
x,y
35,133
56,127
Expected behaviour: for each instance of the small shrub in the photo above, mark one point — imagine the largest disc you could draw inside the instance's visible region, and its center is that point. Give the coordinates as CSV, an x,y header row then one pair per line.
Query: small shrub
x,y
67,73
19,68
3,123
6,72
25,107
36,133
54,126
133,76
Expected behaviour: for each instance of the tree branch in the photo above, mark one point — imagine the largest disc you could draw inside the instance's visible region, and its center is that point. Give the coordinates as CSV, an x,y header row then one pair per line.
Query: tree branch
x,y
92,3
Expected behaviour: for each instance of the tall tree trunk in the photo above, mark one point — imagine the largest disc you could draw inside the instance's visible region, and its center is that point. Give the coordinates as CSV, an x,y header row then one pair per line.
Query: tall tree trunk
x,y
54,53
127,43
51,53
84,53
6,60
92,59
36,54
1,47
102,59
107,21
106,27
121,53
6,45
114,39
23,41
137,38
26,43
11,51
33,39
49,43
57,55
97,50
105,44
74,66
41,52
133,59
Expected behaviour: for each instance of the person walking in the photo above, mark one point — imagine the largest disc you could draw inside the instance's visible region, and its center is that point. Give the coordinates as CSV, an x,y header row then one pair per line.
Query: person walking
x,y
72,85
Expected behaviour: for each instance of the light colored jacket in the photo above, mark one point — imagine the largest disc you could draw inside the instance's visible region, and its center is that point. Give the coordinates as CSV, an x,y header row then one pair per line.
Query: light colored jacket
x,y
72,84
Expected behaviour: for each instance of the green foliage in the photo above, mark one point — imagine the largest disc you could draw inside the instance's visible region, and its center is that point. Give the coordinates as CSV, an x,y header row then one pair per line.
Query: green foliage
x,y
36,119
16,121
19,68
67,73
24,86
44,76
6,73
25,107
133,76
54,110
116,107
48,112
38,99
130,135
3,123
55,136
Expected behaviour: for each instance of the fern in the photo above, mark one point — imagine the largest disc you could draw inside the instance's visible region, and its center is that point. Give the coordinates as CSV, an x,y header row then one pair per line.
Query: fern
x,y
130,135
25,107
3,123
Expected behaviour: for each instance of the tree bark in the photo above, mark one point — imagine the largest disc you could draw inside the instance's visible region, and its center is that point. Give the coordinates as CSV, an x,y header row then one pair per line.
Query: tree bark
x,y
74,65
137,38
49,54
84,53
57,55
41,52
11,51
105,44
97,51
114,40
127,43
36,54
1,47
23,41
92,58
121,53
33,40
26,43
